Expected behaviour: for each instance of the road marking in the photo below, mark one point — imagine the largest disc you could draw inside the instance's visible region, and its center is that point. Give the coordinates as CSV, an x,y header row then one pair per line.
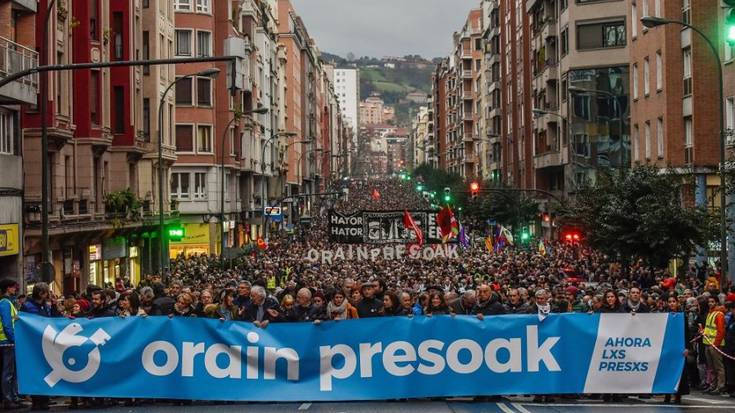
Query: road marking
x,y
710,401
633,406
304,406
520,408
505,408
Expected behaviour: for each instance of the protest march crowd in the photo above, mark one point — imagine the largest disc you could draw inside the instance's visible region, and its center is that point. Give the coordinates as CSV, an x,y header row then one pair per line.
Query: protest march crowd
x,y
278,284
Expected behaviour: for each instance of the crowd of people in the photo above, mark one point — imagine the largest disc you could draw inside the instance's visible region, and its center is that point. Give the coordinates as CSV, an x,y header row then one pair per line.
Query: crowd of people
x,y
280,285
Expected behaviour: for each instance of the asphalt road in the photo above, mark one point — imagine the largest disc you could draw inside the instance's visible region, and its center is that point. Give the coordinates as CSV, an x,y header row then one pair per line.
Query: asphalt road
x,y
694,404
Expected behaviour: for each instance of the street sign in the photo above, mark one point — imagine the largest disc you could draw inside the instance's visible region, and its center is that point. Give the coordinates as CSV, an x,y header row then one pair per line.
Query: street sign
x,y
273,211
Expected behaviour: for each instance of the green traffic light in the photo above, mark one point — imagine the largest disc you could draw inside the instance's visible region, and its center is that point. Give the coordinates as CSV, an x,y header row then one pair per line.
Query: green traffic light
x,y
525,236
420,188
447,198
731,33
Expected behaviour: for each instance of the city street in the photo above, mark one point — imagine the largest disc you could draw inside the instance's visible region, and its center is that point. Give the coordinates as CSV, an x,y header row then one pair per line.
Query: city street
x,y
699,403
379,200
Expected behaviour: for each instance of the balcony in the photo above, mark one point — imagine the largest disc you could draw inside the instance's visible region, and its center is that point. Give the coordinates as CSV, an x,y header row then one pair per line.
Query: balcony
x,y
549,29
13,59
467,74
548,159
30,6
468,95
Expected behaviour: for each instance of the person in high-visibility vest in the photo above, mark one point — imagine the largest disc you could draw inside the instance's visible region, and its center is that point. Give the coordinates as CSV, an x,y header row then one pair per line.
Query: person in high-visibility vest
x,y
8,315
713,338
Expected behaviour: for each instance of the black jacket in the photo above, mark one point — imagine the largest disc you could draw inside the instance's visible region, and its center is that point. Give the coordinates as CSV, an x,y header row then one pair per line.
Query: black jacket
x,y
369,307
520,308
642,308
100,312
251,310
163,306
490,307
458,307
299,314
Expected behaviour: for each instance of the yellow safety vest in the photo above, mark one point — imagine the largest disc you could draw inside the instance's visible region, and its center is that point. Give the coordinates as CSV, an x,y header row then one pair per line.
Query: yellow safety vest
x,y
271,283
13,317
710,328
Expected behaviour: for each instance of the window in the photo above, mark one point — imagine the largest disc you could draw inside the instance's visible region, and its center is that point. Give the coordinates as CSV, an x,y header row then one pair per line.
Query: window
x,y
184,138
687,71
182,5
183,42
686,11
7,133
601,35
146,4
94,29
147,119
204,44
657,8
204,139
565,41
204,6
644,11
634,21
636,144
646,77
119,109
94,97
688,132
563,5
146,51
659,71
232,142
660,138
204,91
200,185
117,39
730,113
647,132
180,185
635,80
184,92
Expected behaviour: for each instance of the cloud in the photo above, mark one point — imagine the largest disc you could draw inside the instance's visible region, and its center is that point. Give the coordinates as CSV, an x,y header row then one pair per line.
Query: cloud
x,y
384,27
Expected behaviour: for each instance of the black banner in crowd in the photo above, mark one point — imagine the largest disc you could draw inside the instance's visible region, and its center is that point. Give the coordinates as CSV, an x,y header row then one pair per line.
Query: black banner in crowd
x,y
382,227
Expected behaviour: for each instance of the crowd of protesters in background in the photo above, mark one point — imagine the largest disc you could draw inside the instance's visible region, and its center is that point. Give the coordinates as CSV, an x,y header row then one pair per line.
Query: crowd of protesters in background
x,y
279,285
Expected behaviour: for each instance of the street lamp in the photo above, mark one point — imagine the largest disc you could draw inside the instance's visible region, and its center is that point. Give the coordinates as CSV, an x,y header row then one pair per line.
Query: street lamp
x,y
262,170
651,22
210,73
259,110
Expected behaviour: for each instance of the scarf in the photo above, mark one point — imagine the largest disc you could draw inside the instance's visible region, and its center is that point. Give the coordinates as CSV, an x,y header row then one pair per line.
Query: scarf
x,y
543,311
341,314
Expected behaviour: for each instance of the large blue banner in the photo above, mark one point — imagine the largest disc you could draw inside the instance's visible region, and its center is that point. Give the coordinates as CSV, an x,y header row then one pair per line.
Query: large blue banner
x,y
385,358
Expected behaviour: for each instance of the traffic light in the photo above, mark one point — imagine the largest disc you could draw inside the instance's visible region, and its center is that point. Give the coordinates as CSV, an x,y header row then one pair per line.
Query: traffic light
x,y
176,233
447,195
729,20
525,236
419,187
546,217
572,236
474,189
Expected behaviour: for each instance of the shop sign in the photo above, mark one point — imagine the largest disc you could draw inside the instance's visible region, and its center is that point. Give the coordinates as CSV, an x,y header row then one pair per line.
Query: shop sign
x,y
9,240
114,248
95,252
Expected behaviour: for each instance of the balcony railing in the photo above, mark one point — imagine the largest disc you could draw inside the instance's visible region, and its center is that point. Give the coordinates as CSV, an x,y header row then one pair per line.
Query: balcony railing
x,y
14,58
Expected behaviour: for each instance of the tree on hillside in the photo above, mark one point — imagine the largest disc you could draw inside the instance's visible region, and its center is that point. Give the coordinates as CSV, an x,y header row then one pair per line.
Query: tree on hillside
x,y
639,214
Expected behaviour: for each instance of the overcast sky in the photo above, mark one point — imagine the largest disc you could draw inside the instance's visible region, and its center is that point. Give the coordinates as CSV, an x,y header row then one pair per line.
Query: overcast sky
x,y
380,28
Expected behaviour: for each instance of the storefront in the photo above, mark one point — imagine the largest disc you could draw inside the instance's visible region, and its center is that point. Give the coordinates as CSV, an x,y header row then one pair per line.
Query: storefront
x,y
196,240
9,250
96,272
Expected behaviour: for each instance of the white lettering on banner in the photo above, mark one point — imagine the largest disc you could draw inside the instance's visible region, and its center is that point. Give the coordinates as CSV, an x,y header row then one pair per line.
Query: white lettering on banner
x,y
431,363
233,354
626,353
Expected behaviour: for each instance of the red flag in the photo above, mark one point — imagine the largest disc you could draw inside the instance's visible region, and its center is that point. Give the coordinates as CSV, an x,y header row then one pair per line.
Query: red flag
x,y
409,223
447,224
262,244
376,195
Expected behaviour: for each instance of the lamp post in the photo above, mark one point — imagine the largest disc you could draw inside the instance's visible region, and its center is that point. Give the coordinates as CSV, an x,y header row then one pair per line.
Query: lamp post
x,y
651,22
236,117
263,191
211,73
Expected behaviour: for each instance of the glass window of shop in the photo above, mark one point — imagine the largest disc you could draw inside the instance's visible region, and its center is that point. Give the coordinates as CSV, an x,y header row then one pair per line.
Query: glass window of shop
x,y
600,112
96,276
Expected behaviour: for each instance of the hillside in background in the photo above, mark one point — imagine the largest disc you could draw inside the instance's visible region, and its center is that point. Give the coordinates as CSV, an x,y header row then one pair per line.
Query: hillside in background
x,y
392,78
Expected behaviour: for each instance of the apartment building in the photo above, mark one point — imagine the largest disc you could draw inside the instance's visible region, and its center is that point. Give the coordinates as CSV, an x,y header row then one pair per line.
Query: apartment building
x,y
579,91
18,48
673,77
489,96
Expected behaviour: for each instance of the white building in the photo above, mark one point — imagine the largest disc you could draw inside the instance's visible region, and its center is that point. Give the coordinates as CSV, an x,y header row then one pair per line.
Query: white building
x,y
347,89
